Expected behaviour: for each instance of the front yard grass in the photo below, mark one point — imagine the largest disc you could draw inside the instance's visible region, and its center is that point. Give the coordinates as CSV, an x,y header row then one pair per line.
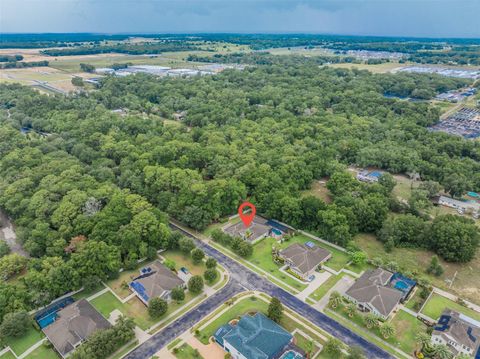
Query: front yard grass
x,y
185,351
437,303
325,287
262,257
303,343
21,344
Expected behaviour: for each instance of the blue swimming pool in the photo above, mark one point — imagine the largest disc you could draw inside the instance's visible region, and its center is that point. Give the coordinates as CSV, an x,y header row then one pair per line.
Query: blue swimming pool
x,y
47,320
292,355
402,286
277,232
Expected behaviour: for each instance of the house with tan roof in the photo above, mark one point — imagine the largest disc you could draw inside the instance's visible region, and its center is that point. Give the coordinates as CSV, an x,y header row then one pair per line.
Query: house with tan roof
x,y
155,281
460,333
73,325
304,259
372,293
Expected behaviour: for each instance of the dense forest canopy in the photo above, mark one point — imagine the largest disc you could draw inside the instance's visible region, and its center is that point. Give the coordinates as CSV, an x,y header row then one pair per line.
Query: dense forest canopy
x,y
91,194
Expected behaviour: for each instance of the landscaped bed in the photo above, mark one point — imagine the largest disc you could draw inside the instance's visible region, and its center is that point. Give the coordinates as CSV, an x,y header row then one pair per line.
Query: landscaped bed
x,y
436,304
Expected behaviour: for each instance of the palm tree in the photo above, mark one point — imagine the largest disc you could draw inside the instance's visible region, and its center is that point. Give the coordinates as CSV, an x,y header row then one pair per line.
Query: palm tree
x,y
371,320
387,330
335,299
334,347
351,309
422,339
442,352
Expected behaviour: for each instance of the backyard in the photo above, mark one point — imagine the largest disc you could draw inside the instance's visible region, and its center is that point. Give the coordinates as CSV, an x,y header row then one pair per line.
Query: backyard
x,y
42,352
437,303
21,344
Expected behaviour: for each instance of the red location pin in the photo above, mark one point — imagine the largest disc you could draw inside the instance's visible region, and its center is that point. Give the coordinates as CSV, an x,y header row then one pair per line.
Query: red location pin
x,y
247,218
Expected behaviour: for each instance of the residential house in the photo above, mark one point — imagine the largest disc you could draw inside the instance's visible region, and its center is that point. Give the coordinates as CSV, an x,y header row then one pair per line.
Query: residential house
x,y
155,281
73,325
462,207
460,333
304,259
372,293
253,337
257,230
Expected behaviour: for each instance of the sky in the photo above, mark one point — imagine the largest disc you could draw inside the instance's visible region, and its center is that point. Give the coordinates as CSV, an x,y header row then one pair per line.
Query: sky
x,y
416,18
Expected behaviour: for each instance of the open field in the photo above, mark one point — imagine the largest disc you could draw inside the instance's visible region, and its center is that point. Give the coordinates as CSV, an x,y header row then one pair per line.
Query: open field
x,y
416,260
436,304
380,68
319,190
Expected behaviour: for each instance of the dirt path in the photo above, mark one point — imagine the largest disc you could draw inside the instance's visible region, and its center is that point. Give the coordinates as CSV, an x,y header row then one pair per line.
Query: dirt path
x,y
7,234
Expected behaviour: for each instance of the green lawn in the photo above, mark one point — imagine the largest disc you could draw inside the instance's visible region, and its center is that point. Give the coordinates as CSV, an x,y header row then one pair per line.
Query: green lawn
x,y
262,257
185,260
325,287
7,355
125,350
42,352
238,309
134,308
415,302
21,344
87,293
436,304
187,352
407,326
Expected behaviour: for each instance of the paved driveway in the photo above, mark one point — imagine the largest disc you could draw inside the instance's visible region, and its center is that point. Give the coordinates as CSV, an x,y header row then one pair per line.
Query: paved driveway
x,y
242,278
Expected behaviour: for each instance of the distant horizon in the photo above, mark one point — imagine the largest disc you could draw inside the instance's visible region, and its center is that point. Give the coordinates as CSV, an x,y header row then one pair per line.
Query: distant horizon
x,y
236,33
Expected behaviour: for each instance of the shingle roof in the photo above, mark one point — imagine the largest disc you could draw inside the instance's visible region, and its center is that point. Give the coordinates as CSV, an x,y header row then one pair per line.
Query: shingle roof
x,y
460,328
74,324
305,258
257,337
159,280
370,288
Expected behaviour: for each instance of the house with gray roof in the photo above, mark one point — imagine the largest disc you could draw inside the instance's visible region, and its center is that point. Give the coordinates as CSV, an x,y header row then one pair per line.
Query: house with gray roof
x,y
254,337
304,259
73,325
372,293
257,230
155,281
460,333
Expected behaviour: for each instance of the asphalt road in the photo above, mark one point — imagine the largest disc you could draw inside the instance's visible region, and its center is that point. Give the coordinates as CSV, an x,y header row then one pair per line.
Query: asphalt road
x,y
242,278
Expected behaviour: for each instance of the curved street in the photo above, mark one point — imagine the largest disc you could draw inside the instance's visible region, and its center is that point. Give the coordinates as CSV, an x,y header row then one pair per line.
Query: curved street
x,y
242,278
